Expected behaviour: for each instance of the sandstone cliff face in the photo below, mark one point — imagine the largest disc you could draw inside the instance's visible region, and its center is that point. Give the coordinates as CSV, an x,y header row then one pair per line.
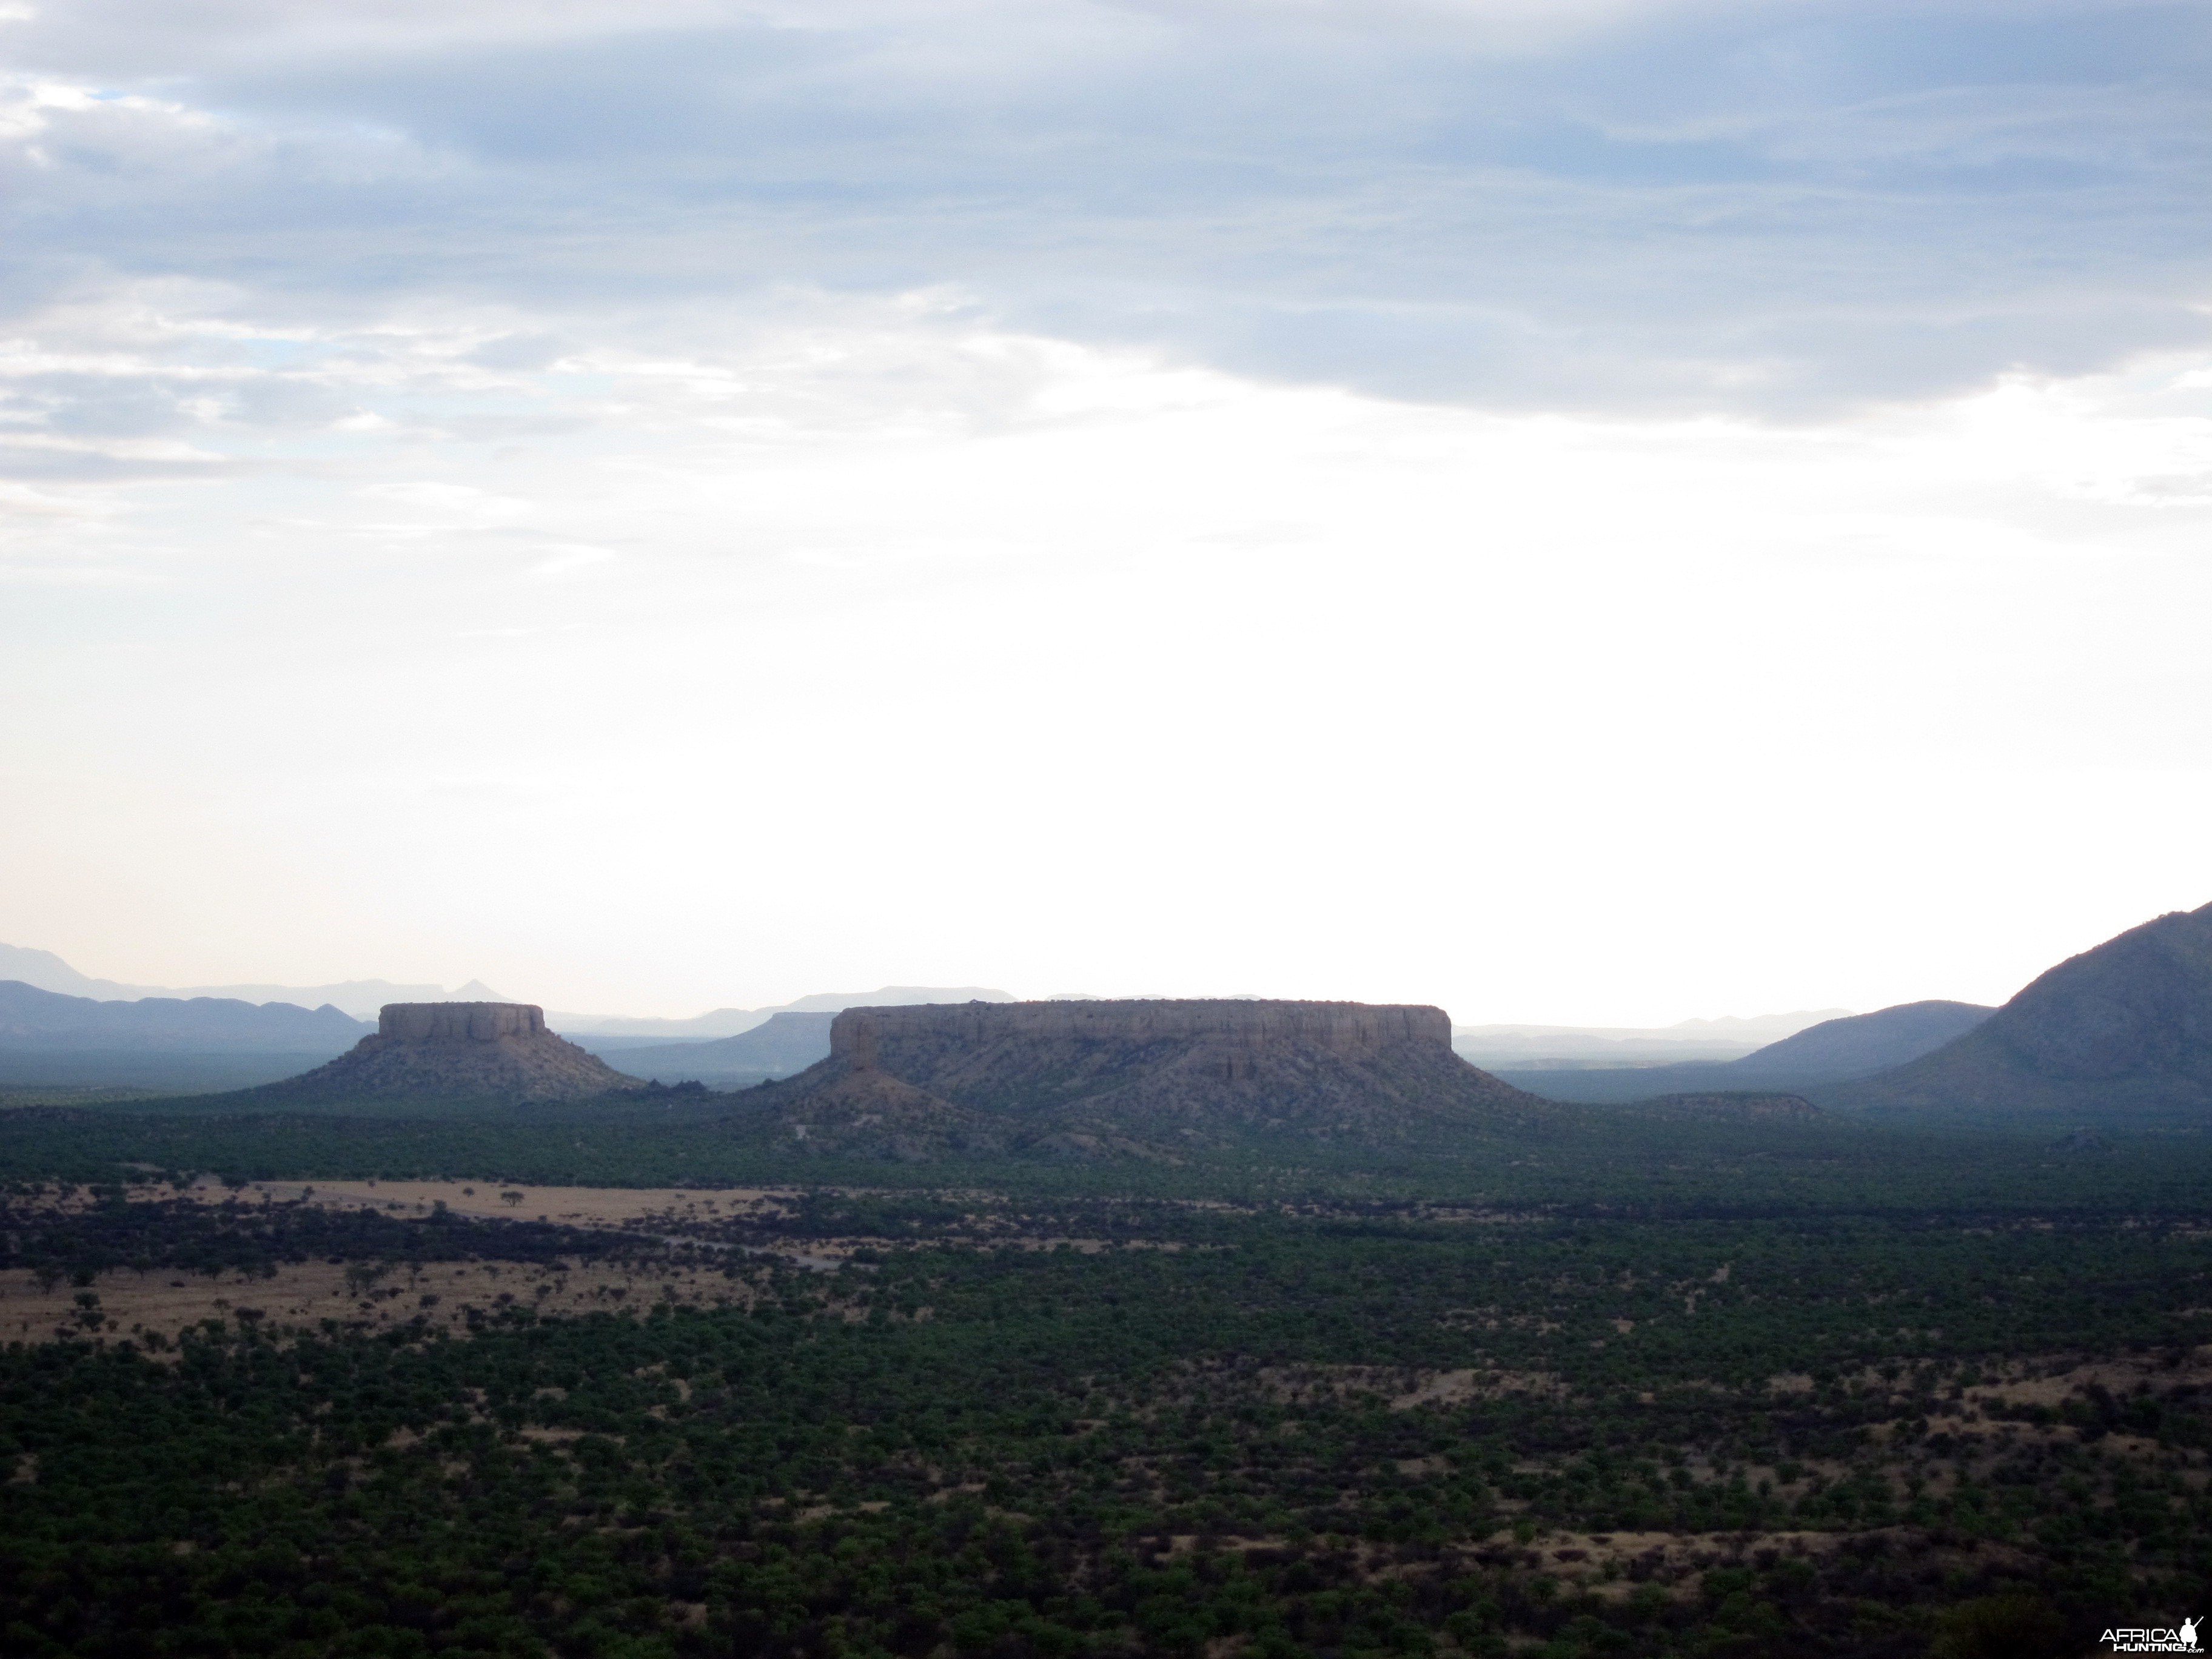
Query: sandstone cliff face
x,y
1125,1073
460,1021
456,1051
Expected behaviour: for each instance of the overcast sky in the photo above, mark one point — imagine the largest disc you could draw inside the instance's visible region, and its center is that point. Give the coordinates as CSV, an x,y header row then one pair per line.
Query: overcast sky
x,y
1601,511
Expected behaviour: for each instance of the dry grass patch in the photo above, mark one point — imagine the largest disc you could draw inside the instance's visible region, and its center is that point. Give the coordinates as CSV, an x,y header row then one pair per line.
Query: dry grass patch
x,y
446,1296
485,1201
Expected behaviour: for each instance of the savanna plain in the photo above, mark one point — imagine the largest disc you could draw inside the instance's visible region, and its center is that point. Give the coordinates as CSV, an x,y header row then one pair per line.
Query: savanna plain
x,y
620,1380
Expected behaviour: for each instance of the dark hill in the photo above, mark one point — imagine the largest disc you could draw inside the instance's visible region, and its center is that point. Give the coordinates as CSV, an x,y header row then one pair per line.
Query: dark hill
x,y
1135,1075
1858,1046
786,1043
31,1018
2119,1034
431,1052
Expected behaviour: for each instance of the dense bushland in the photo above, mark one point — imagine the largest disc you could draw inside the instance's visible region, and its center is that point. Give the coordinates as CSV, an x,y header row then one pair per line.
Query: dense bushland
x,y
1104,1425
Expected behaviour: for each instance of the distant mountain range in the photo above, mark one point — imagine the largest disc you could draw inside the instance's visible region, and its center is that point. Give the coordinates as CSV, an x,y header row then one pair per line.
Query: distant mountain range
x,y
609,1033
31,1018
359,998
1570,1047
1834,1051
163,1042
783,1045
1499,1045
362,998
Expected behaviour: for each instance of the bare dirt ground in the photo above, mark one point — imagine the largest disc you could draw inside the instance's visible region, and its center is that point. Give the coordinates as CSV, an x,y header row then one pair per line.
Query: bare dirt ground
x,y
154,1307
572,1207
677,1209
162,1303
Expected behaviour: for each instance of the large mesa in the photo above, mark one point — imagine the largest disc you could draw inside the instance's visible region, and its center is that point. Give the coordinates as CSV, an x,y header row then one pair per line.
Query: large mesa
x,y
477,1051
1086,1076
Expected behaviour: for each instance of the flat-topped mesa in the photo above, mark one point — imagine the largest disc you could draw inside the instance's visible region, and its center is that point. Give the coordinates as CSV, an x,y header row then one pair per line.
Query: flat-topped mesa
x,y
460,1021
1353,1030
1151,1072
458,1051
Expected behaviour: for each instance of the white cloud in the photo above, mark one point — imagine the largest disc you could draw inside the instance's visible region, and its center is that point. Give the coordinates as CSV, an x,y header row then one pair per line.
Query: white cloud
x,y
1670,207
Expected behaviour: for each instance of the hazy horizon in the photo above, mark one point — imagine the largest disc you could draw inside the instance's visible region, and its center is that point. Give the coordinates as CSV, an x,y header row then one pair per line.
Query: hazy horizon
x,y
49,970
1600,514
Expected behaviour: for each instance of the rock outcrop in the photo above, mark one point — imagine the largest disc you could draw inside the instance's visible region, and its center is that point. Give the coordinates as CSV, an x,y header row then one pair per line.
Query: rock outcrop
x,y
2120,1033
1082,1076
455,1051
460,1021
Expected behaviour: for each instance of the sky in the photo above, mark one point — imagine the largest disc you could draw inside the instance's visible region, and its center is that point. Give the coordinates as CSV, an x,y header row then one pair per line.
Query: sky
x,y
1593,512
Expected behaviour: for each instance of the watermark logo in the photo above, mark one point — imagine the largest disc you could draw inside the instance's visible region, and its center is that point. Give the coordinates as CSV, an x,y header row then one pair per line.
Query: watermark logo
x,y
2181,1638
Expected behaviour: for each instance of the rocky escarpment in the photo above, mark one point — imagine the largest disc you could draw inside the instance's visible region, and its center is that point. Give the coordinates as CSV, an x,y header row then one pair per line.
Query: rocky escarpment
x,y
1092,1076
2120,1033
455,1051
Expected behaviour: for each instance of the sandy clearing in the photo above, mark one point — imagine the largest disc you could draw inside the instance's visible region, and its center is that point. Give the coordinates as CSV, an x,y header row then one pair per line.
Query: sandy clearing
x,y
679,1209
2120,1376
575,1206
164,1302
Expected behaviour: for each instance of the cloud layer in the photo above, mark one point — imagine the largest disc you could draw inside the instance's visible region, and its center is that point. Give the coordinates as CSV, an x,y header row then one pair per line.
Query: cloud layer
x,y
1615,511
1667,206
